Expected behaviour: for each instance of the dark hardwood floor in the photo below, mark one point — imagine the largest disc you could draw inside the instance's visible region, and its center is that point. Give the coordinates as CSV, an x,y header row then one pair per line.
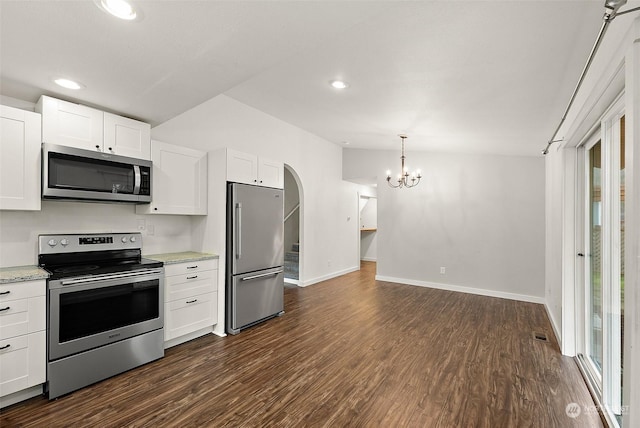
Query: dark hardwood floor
x,y
348,352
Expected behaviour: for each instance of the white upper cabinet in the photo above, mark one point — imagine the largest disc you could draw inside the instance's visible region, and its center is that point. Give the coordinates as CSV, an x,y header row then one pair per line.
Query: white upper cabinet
x,y
250,169
179,181
126,137
19,159
270,173
242,167
70,124
75,125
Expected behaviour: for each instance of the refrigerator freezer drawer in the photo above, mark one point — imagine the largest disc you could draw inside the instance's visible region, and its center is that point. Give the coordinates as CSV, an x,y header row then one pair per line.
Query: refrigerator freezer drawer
x,y
254,297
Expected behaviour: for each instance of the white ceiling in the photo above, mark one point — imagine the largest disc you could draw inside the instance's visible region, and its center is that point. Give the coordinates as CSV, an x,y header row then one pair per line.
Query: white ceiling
x,y
471,76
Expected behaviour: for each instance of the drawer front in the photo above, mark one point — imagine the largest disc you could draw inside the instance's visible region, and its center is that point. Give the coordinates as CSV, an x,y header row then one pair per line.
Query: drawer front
x,y
22,362
190,284
184,268
19,317
22,290
188,315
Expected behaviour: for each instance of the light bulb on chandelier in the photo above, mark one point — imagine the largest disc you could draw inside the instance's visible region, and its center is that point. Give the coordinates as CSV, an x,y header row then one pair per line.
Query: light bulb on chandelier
x,y
405,179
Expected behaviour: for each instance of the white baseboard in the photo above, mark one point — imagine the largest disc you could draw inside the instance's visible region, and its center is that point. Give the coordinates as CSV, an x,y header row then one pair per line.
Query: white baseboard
x,y
463,289
187,337
328,276
22,395
369,259
291,281
554,325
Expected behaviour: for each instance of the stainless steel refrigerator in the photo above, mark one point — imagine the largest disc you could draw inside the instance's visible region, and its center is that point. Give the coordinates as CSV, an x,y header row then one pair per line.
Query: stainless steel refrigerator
x,y
255,255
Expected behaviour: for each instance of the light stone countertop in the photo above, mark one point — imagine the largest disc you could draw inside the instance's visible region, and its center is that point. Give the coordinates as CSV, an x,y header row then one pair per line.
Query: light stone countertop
x,y
22,273
183,257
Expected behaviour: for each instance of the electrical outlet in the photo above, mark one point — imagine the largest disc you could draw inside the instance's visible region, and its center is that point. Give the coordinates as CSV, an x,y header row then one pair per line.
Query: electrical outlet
x,y
328,263
142,224
443,270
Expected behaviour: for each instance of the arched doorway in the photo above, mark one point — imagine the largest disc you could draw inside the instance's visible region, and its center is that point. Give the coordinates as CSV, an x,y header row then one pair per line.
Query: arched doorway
x,y
293,230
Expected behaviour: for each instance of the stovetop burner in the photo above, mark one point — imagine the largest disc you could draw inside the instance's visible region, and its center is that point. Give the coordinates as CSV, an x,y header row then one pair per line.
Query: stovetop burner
x,y
106,267
75,269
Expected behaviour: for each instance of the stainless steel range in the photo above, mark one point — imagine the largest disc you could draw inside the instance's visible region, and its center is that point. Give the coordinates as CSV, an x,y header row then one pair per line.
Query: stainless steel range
x,y
104,307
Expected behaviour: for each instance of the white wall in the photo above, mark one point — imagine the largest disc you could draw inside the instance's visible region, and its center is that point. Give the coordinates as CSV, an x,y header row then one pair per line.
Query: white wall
x,y
479,216
19,230
329,205
553,238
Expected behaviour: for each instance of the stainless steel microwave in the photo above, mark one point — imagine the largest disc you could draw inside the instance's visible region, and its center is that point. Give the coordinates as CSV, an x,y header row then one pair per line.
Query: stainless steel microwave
x,y
86,175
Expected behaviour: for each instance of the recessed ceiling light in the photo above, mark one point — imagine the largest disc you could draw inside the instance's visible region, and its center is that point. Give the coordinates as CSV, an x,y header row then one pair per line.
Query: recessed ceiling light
x,y
119,8
67,83
339,84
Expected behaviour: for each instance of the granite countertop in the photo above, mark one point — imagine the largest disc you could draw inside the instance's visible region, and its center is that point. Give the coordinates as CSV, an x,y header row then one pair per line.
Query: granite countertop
x,y
22,273
183,257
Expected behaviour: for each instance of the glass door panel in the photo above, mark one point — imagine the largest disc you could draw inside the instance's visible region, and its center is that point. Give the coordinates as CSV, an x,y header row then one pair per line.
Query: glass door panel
x,y
594,274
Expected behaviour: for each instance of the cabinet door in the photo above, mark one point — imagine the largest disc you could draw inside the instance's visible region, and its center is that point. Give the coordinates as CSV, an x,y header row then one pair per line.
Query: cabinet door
x,y
70,124
188,315
127,137
179,181
19,159
270,173
22,362
242,167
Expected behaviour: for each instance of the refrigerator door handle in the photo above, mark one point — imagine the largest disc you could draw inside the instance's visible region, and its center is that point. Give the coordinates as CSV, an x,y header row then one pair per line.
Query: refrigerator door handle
x,y
238,231
249,278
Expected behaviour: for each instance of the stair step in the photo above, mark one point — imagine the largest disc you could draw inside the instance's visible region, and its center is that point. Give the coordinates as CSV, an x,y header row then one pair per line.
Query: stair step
x,y
292,256
291,270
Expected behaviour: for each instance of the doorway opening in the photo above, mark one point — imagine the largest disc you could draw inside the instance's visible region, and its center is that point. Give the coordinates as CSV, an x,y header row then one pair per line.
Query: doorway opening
x,y
292,227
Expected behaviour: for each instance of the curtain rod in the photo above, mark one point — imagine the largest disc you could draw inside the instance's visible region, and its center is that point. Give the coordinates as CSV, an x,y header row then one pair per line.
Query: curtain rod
x,y
611,8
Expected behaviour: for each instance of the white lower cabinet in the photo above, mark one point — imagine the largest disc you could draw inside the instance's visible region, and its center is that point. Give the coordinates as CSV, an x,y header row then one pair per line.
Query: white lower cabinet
x,y
191,300
22,337
190,314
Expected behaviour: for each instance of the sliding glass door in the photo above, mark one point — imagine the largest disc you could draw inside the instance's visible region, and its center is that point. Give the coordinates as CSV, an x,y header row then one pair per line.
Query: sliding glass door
x,y
603,240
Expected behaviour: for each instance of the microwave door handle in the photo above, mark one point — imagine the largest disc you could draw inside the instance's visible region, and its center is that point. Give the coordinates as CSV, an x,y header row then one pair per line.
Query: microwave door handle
x,y
137,180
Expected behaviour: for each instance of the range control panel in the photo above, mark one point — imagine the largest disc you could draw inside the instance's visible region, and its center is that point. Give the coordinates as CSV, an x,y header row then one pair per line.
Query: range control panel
x,y
74,243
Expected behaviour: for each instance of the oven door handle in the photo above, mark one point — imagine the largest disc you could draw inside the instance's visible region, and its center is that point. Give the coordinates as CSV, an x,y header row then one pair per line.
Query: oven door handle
x,y
111,276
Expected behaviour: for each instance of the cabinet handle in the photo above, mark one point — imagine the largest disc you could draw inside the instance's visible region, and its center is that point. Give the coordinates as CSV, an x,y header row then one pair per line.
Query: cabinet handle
x,y
4,293
5,309
260,181
97,147
192,267
110,149
192,301
2,348
155,209
192,277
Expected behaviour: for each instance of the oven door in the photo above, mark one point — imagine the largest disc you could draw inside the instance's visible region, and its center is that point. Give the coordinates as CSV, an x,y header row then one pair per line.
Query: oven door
x,y
86,313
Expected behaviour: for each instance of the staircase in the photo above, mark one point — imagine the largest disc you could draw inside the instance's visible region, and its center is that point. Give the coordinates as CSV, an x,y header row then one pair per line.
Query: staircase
x,y
292,262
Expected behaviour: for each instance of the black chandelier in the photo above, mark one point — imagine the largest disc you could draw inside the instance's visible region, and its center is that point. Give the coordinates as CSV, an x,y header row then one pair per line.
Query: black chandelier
x,y
405,179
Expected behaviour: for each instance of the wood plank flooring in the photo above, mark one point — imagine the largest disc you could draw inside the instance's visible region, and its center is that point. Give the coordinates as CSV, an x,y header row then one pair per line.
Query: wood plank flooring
x,y
352,352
